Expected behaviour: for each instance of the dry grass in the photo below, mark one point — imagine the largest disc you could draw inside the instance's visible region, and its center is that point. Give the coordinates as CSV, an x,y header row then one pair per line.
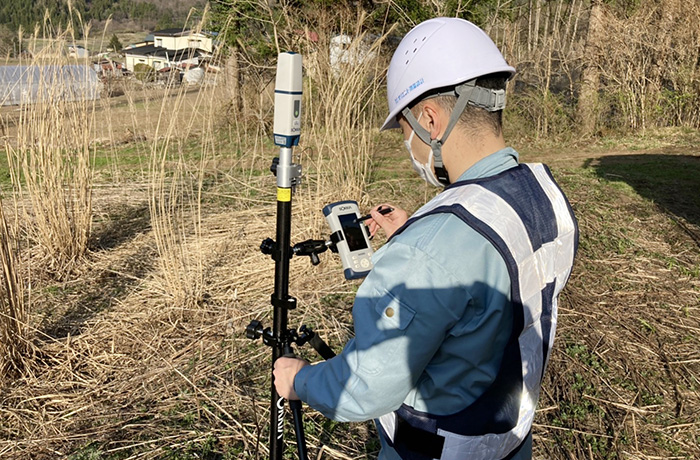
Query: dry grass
x,y
123,340
140,353
622,382
50,161
146,367
647,63
142,377
15,344
652,76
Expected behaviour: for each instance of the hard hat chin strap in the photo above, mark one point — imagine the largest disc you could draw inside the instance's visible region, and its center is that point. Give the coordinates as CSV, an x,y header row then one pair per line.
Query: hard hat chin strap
x,y
466,93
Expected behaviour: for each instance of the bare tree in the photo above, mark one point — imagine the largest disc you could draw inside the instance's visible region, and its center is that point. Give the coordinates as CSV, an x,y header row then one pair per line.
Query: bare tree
x,y
590,77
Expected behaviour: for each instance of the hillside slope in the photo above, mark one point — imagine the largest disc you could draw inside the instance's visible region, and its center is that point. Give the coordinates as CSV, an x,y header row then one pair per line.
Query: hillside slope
x,y
148,13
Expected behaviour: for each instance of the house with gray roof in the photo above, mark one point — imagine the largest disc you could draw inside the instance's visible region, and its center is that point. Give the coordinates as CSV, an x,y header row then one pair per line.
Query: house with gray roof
x,y
170,48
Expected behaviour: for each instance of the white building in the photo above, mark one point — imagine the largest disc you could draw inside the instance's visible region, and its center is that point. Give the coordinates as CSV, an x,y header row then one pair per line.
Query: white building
x,y
178,39
170,48
50,83
160,58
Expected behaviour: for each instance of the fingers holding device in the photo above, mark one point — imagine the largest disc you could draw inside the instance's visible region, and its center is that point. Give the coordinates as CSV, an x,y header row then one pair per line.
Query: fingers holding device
x,y
387,217
383,210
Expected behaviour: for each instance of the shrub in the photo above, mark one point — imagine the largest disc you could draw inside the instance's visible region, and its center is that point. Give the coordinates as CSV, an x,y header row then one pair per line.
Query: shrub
x,y
144,72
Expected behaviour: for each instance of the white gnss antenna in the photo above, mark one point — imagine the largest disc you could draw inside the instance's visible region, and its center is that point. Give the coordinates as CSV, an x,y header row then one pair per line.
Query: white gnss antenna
x,y
288,89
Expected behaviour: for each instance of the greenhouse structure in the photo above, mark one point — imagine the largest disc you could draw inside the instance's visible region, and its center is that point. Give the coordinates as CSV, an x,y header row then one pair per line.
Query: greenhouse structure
x,y
50,83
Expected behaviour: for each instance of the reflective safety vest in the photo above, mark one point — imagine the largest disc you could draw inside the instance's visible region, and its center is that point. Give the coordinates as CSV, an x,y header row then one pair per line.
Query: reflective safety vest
x,y
527,218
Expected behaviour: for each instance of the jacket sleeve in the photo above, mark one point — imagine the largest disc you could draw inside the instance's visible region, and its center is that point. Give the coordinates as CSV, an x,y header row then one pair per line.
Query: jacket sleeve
x,y
401,314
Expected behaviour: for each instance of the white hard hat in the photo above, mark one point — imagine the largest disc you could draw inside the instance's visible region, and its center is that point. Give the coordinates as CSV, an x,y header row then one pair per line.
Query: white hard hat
x,y
439,53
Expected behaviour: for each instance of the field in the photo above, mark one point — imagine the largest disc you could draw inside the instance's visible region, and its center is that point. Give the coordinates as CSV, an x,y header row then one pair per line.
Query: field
x,y
623,383
137,347
125,366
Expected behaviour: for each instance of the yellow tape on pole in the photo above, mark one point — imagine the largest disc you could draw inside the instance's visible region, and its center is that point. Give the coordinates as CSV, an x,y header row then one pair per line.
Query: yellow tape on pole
x,y
284,194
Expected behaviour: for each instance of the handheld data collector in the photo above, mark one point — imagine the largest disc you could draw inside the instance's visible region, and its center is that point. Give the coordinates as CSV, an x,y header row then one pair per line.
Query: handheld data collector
x,y
351,238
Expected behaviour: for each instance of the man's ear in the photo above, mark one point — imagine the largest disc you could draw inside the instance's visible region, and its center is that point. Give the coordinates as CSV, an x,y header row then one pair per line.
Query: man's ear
x,y
433,115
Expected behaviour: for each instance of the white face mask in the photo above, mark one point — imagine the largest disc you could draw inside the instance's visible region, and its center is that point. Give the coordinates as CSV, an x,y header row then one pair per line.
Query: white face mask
x,y
425,171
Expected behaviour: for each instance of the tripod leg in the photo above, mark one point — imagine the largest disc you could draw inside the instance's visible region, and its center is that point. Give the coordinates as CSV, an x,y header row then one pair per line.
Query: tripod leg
x,y
297,415
321,347
299,428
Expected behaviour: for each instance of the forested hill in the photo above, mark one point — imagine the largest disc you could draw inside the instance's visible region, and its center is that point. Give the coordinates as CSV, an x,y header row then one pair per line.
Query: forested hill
x,y
149,13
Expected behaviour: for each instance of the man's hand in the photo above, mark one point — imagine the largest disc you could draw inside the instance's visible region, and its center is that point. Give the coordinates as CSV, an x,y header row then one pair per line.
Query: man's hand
x,y
389,222
285,369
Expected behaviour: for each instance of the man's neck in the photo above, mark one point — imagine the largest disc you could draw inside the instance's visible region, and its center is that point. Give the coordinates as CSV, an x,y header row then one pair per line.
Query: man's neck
x,y
461,151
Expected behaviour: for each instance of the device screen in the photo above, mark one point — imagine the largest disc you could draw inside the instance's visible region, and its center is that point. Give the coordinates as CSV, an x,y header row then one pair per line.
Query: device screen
x,y
353,232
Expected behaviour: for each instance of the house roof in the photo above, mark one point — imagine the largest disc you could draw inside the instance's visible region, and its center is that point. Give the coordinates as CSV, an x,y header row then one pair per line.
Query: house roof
x,y
173,32
182,55
143,50
159,51
178,32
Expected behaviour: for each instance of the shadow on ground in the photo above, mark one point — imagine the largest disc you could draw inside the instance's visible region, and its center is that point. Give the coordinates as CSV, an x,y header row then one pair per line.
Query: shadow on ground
x,y
670,181
122,259
125,223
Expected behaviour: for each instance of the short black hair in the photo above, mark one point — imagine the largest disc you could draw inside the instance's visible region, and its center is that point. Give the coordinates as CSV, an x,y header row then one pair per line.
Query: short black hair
x,y
475,118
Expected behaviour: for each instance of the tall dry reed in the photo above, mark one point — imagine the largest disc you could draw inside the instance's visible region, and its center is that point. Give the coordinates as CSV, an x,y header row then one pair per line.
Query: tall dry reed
x,y
177,172
544,42
342,107
643,64
15,344
651,65
51,156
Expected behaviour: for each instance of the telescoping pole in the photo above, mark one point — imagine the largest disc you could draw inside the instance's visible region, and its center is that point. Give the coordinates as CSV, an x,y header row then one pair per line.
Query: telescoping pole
x,y
287,129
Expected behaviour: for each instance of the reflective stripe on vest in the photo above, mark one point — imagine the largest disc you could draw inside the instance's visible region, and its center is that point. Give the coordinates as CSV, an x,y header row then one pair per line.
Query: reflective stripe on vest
x,y
524,214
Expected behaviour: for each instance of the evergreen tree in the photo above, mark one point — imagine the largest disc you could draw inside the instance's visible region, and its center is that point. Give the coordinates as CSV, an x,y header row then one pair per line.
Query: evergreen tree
x,y
9,42
115,44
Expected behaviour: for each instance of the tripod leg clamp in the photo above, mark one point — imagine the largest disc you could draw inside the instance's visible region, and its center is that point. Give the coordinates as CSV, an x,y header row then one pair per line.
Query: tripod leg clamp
x,y
290,303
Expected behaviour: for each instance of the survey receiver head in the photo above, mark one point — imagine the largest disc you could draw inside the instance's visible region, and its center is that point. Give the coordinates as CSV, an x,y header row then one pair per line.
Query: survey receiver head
x,y
288,91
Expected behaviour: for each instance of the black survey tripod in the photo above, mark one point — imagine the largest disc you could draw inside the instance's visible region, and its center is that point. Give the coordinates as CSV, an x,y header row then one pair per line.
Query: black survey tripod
x,y
279,337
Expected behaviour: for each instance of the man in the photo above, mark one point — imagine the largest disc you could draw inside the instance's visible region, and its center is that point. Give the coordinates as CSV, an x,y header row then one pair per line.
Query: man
x,y
454,325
